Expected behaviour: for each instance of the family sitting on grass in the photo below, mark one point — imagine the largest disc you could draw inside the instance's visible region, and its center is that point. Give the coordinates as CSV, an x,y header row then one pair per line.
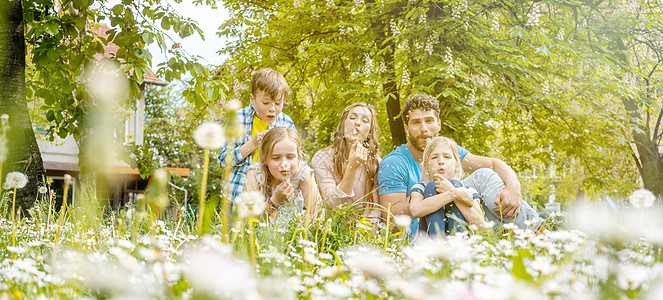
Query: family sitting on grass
x,y
423,179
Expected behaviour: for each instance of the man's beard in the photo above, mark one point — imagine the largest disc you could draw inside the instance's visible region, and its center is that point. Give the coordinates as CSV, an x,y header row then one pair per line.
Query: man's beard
x,y
420,144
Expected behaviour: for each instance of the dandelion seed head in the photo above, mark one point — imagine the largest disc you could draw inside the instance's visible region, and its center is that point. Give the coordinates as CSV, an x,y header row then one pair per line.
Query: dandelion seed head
x,y
403,221
642,198
209,135
15,180
250,202
233,105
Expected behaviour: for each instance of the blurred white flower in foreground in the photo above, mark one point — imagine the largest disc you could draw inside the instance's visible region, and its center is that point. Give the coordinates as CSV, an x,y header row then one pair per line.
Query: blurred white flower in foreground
x,y
213,271
103,275
233,105
642,198
15,180
370,262
619,226
252,202
209,135
403,221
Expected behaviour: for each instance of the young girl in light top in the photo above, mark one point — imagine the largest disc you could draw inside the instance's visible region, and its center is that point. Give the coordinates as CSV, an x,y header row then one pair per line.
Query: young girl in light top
x,y
283,176
444,204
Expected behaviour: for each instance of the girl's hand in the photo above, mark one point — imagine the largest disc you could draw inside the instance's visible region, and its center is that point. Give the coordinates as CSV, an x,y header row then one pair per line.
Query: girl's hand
x,y
464,195
442,184
358,155
283,193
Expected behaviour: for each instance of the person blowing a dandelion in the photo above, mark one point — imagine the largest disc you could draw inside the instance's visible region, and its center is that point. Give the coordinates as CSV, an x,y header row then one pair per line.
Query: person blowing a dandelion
x,y
269,91
283,177
347,170
400,169
445,205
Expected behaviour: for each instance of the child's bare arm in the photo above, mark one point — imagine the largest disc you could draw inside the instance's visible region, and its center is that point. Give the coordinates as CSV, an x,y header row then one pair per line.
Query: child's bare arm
x,y
310,192
252,144
251,183
420,206
472,214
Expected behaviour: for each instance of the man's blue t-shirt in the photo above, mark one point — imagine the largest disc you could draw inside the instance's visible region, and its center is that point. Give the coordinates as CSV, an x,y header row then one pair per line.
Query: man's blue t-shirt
x,y
399,171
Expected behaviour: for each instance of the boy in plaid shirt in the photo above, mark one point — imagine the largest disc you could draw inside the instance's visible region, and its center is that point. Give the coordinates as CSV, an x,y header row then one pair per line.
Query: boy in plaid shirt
x,y
269,90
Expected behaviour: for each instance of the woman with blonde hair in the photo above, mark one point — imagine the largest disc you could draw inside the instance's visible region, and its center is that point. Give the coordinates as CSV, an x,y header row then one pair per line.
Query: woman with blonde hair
x,y
347,170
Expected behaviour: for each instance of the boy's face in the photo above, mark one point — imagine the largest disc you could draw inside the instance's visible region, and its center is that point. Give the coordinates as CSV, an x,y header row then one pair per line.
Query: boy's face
x,y
422,126
267,109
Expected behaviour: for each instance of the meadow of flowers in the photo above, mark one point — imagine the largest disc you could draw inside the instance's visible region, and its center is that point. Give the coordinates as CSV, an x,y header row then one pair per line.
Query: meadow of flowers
x,y
596,253
156,249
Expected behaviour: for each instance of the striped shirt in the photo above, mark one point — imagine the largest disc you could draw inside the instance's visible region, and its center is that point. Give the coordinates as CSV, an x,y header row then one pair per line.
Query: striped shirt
x,y
240,165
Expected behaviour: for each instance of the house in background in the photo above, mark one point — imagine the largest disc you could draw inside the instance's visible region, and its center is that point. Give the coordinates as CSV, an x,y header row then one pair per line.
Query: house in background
x,y
60,157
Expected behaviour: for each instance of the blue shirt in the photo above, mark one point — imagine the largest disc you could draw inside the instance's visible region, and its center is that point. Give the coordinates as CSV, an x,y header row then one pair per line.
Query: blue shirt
x,y
241,164
399,171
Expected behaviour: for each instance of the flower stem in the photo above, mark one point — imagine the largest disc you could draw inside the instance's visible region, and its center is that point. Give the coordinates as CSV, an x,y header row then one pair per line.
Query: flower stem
x,y
386,234
252,245
63,211
14,221
201,198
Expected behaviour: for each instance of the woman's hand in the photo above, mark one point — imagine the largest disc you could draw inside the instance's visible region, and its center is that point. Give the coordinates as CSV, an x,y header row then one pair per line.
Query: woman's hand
x,y
283,193
358,155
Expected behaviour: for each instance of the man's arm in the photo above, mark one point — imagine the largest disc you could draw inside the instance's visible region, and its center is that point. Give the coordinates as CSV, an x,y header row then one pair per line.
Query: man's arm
x,y
399,204
510,198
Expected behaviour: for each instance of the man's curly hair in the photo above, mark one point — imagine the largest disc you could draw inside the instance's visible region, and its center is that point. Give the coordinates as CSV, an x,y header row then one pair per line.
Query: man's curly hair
x,y
421,101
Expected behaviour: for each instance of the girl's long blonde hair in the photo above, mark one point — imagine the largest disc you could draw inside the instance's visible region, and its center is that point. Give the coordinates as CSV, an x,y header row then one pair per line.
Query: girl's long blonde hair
x,y
430,146
270,139
342,151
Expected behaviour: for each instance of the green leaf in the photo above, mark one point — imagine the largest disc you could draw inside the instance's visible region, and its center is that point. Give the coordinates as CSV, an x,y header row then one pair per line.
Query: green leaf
x,y
51,28
165,23
518,270
118,9
187,31
543,49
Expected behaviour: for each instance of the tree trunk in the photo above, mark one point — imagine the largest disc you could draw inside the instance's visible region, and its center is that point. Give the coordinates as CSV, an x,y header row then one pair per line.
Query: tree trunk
x,y
24,155
390,87
650,161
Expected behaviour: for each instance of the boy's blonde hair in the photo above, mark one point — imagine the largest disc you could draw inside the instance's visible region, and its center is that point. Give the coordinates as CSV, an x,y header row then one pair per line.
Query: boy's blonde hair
x,y
270,139
430,146
271,82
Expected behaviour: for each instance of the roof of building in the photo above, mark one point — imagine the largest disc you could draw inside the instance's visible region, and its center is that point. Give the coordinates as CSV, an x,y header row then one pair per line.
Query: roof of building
x,y
111,48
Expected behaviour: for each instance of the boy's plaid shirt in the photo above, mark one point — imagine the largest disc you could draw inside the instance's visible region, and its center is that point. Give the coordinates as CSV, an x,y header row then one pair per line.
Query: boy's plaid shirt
x,y
241,166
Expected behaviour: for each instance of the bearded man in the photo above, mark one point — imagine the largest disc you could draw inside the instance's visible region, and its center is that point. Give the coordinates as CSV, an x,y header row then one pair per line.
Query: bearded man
x,y
401,169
